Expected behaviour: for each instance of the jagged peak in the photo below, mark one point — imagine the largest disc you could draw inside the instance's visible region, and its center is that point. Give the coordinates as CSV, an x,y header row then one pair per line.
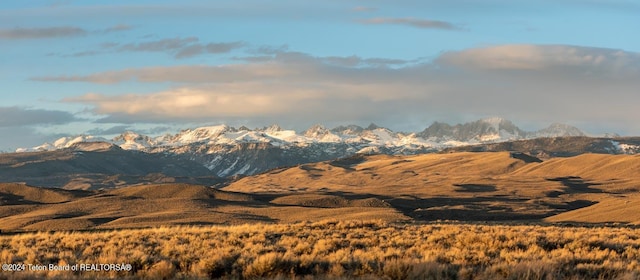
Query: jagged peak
x,y
273,128
315,130
437,134
494,120
129,135
348,129
559,129
372,126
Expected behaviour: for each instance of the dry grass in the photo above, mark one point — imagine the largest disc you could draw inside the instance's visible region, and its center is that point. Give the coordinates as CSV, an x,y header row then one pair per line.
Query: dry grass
x,y
337,249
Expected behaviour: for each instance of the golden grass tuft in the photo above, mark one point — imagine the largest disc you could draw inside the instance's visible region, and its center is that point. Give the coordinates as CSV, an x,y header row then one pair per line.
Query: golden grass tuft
x,y
337,250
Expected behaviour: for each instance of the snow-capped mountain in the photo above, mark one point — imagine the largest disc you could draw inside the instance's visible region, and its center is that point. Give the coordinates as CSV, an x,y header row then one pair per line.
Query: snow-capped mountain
x,y
558,130
62,143
485,130
228,151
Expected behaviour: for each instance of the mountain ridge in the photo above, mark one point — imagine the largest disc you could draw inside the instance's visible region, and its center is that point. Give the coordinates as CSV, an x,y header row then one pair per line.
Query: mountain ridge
x,y
228,151
437,135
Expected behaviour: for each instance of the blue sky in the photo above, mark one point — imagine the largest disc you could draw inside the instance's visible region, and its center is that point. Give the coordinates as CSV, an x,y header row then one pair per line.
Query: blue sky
x,y
102,67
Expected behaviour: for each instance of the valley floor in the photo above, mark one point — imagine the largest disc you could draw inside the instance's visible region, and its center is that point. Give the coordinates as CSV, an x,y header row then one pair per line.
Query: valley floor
x,y
332,250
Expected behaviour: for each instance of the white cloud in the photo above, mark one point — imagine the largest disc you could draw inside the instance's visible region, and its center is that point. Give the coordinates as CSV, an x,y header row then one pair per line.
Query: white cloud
x,y
557,58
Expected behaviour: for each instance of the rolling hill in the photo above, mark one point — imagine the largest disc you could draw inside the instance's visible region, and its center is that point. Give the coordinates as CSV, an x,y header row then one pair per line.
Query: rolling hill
x,y
471,186
466,186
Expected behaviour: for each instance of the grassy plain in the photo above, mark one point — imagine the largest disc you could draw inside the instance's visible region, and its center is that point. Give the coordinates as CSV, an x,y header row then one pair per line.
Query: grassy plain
x,y
336,250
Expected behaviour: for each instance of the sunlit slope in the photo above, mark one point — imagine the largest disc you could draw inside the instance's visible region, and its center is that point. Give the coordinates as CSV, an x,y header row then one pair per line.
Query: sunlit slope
x,y
462,186
619,208
165,204
136,206
592,166
375,174
13,193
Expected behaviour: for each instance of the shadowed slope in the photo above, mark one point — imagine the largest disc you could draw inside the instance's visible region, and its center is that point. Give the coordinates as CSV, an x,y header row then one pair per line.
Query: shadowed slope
x,y
100,165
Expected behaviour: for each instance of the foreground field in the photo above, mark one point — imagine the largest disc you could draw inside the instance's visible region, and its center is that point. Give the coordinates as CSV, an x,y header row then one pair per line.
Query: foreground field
x,y
332,249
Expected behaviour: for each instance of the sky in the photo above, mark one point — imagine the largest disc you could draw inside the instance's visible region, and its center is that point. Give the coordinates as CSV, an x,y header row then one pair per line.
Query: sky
x,y
155,67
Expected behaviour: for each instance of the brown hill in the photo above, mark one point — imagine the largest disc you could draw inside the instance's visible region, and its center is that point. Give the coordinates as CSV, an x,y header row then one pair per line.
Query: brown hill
x,y
458,186
618,208
14,194
33,208
461,186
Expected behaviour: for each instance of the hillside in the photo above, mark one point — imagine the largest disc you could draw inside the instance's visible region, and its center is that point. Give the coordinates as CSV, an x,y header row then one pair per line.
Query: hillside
x,y
95,165
30,208
551,146
466,186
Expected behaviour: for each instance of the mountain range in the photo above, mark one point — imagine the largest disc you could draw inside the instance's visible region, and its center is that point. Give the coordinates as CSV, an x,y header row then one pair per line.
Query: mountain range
x,y
227,151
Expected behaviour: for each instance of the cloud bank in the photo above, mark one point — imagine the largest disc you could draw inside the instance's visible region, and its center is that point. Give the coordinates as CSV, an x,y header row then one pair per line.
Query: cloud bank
x,y
17,116
544,83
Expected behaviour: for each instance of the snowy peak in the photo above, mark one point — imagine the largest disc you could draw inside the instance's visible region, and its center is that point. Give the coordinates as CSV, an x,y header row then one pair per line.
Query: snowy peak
x,y
130,140
558,130
485,130
320,133
273,128
315,131
348,130
500,124
437,136
372,126
201,134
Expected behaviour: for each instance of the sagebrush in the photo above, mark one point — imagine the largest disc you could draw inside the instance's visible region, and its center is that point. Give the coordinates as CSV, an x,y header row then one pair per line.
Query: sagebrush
x,y
337,249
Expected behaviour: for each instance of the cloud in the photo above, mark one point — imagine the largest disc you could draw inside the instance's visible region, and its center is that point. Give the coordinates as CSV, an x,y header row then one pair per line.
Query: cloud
x,y
177,47
215,48
282,65
20,33
532,83
413,22
17,116
118,28
583,60
159,45
41,33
